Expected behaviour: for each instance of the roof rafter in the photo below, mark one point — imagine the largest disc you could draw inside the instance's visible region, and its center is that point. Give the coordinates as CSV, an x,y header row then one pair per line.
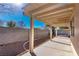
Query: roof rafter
x,y
54,9
40,8
57,15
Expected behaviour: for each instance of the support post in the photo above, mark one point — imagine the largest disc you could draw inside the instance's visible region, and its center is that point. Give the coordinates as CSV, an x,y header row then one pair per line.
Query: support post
x,y
56,32
50,33
31,36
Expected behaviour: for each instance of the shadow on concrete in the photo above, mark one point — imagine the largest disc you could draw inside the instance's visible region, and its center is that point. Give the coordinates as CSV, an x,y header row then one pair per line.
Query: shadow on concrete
x,y
32,54
60,43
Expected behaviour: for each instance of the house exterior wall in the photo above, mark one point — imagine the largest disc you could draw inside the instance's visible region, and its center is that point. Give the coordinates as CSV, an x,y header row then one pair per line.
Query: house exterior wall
x,y
75,37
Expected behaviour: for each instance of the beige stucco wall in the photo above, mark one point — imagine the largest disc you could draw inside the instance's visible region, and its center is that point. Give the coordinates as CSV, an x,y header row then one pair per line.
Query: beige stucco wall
x,y
75,38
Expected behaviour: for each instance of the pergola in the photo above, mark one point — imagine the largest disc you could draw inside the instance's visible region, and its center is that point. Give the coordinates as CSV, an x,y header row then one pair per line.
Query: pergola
x,y
52,14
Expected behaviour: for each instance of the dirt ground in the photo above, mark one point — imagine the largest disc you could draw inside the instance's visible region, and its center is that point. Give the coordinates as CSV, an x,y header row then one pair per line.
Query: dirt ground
x,y
12,40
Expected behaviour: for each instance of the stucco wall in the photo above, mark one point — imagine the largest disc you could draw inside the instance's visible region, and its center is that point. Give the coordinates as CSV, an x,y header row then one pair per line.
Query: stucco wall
x,y
75,38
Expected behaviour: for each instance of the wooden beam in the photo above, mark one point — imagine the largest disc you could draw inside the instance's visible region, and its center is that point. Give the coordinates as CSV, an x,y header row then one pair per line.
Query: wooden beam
x,y
32,6
46,5
55,9
48,8
31,36
61,16
57,24
57,21
55,13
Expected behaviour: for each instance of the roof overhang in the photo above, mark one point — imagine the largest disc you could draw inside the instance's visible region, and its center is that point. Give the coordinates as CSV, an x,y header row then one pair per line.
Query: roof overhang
x,y
53,14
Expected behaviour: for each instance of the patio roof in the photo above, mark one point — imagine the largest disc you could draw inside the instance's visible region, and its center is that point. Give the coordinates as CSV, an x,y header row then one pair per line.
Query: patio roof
x,y
52,14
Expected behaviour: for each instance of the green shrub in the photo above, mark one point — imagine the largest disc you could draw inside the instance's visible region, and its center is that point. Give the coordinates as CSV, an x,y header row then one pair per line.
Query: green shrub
x,y
11,24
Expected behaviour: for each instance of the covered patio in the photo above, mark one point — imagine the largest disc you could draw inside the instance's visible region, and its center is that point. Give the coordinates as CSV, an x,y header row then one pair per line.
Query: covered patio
x,y
53,15
59,46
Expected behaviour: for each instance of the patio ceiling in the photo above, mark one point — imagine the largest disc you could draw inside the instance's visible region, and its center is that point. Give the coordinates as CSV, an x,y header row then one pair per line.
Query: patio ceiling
x,y
52,14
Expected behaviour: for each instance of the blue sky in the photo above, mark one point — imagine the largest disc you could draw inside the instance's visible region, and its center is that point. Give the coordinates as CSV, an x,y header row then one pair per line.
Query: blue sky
x,y
15,12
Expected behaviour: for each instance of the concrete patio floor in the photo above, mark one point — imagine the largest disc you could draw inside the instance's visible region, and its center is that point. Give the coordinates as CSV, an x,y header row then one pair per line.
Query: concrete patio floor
x,y
59,46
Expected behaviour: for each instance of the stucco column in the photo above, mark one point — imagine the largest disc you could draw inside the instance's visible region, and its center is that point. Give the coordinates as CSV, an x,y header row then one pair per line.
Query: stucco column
x,y
50,33
31,36
56,31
